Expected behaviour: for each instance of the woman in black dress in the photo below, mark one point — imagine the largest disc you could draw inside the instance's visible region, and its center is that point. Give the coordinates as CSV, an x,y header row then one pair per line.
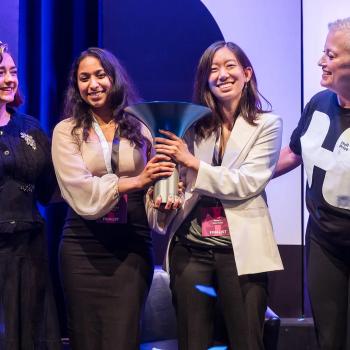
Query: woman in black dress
x,y
27,310
101,157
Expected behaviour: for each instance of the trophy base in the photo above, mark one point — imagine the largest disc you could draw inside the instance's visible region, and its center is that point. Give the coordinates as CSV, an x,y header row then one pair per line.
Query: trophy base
x,y
167,187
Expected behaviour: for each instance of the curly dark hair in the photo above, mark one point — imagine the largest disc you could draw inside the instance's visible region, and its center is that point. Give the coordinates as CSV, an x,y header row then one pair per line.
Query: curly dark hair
x,y
121,95
250,104
18,100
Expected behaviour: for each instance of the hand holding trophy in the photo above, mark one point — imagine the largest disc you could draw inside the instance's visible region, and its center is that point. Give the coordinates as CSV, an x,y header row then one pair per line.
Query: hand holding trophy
x,y
175,117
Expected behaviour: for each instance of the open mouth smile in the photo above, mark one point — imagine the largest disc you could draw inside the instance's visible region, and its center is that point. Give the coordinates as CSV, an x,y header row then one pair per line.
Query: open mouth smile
x,y
96,93
7,89
325,72
225,84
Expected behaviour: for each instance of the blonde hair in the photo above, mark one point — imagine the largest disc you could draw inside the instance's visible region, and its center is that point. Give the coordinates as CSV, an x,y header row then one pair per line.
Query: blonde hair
x,y
340,24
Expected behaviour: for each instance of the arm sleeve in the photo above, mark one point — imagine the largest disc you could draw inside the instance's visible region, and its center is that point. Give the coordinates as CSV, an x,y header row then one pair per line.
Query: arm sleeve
x,y
88,195
294,143
252,175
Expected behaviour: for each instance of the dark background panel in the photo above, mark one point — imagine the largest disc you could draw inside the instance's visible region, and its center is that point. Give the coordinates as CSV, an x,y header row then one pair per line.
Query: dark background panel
x,y
159,42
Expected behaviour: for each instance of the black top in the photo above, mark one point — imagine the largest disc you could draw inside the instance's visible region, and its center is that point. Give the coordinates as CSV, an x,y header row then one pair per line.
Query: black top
x,y
26,173
322,137
190,231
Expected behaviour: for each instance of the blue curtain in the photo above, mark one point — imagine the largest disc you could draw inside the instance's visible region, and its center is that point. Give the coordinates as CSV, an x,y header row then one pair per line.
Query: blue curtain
x,y
51,34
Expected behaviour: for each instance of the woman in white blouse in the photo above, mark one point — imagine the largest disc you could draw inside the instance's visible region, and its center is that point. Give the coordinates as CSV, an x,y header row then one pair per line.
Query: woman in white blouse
x,y
103,163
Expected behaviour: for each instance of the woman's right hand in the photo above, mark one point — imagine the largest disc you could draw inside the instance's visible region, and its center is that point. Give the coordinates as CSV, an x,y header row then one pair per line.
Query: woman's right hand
x,y
172,203
159,166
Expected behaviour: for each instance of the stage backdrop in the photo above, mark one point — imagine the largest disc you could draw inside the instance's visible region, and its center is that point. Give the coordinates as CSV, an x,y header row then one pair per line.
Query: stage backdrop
x,y
9,14
160,43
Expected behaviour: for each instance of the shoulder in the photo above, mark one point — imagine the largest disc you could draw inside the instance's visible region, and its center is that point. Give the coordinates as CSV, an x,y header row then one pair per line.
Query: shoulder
x,y
269,119
30,121
322,100
63,132
64,126
322,95
28,125
25,120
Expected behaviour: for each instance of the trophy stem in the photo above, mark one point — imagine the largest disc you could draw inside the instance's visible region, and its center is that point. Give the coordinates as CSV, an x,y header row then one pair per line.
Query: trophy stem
x,y
174,116
167,187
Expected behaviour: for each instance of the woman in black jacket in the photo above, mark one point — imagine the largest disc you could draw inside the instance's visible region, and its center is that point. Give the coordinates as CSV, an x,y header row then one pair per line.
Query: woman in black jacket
x,y
27,310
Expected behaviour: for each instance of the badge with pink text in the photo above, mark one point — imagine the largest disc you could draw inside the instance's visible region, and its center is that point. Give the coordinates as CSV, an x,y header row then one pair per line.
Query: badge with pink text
x,y
214,222
118,215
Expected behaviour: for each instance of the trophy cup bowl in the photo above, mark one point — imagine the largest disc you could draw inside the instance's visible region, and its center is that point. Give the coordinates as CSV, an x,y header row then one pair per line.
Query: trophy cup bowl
x,y
173,116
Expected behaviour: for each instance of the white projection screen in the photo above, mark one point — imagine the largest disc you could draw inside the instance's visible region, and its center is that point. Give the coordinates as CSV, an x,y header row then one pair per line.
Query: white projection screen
x,y
270,33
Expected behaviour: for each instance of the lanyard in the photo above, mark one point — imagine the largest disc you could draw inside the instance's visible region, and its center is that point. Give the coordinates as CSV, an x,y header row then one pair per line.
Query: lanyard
x,y
217,159
110,162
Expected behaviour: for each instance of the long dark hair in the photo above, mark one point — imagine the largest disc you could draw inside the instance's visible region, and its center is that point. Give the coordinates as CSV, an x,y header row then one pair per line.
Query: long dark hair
x,y
18,100
121,95
249,105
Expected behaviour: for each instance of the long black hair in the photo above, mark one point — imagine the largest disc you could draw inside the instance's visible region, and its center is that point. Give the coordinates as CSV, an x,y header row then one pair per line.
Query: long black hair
x,y
250,104
121,95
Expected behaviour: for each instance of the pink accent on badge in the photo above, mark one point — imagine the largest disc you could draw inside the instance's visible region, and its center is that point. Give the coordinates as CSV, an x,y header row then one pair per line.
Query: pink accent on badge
x,y
118,215
214,222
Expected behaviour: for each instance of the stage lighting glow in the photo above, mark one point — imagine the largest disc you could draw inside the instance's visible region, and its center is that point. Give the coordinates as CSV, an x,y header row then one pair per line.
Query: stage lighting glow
x,y
206,290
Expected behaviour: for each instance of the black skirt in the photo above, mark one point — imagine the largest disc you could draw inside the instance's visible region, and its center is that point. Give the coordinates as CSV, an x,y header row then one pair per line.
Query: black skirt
x,y
106,272
28,317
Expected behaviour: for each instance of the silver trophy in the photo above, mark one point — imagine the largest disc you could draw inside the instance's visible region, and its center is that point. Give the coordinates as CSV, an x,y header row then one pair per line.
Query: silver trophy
x,y
176,117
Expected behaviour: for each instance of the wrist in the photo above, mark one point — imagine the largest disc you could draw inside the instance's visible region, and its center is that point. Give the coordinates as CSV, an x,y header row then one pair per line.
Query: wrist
x,y
129,184
138,183
193,163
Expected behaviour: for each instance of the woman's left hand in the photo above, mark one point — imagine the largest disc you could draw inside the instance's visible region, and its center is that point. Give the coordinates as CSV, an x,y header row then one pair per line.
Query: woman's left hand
x,y
177,149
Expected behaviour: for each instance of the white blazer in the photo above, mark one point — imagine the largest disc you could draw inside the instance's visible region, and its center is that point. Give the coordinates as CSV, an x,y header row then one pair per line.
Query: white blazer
x,y
247,166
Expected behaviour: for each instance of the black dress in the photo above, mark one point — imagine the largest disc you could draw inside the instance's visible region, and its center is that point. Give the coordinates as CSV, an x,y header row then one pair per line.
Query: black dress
x,y
28,318
106,272
106,268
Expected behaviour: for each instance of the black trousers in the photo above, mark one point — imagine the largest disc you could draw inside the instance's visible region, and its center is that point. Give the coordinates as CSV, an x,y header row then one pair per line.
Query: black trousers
x,y
329,286
241,300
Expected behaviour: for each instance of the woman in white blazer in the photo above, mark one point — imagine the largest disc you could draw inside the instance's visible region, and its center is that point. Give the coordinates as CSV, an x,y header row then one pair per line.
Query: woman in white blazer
x,y
222,236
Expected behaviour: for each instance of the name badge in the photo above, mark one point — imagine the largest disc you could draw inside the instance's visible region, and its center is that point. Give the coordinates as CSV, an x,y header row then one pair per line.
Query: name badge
x,y
118,215
214,222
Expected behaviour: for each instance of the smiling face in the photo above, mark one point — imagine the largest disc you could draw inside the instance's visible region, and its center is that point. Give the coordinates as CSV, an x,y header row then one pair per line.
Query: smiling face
x,y
8,79
93,83
335,62
227,77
